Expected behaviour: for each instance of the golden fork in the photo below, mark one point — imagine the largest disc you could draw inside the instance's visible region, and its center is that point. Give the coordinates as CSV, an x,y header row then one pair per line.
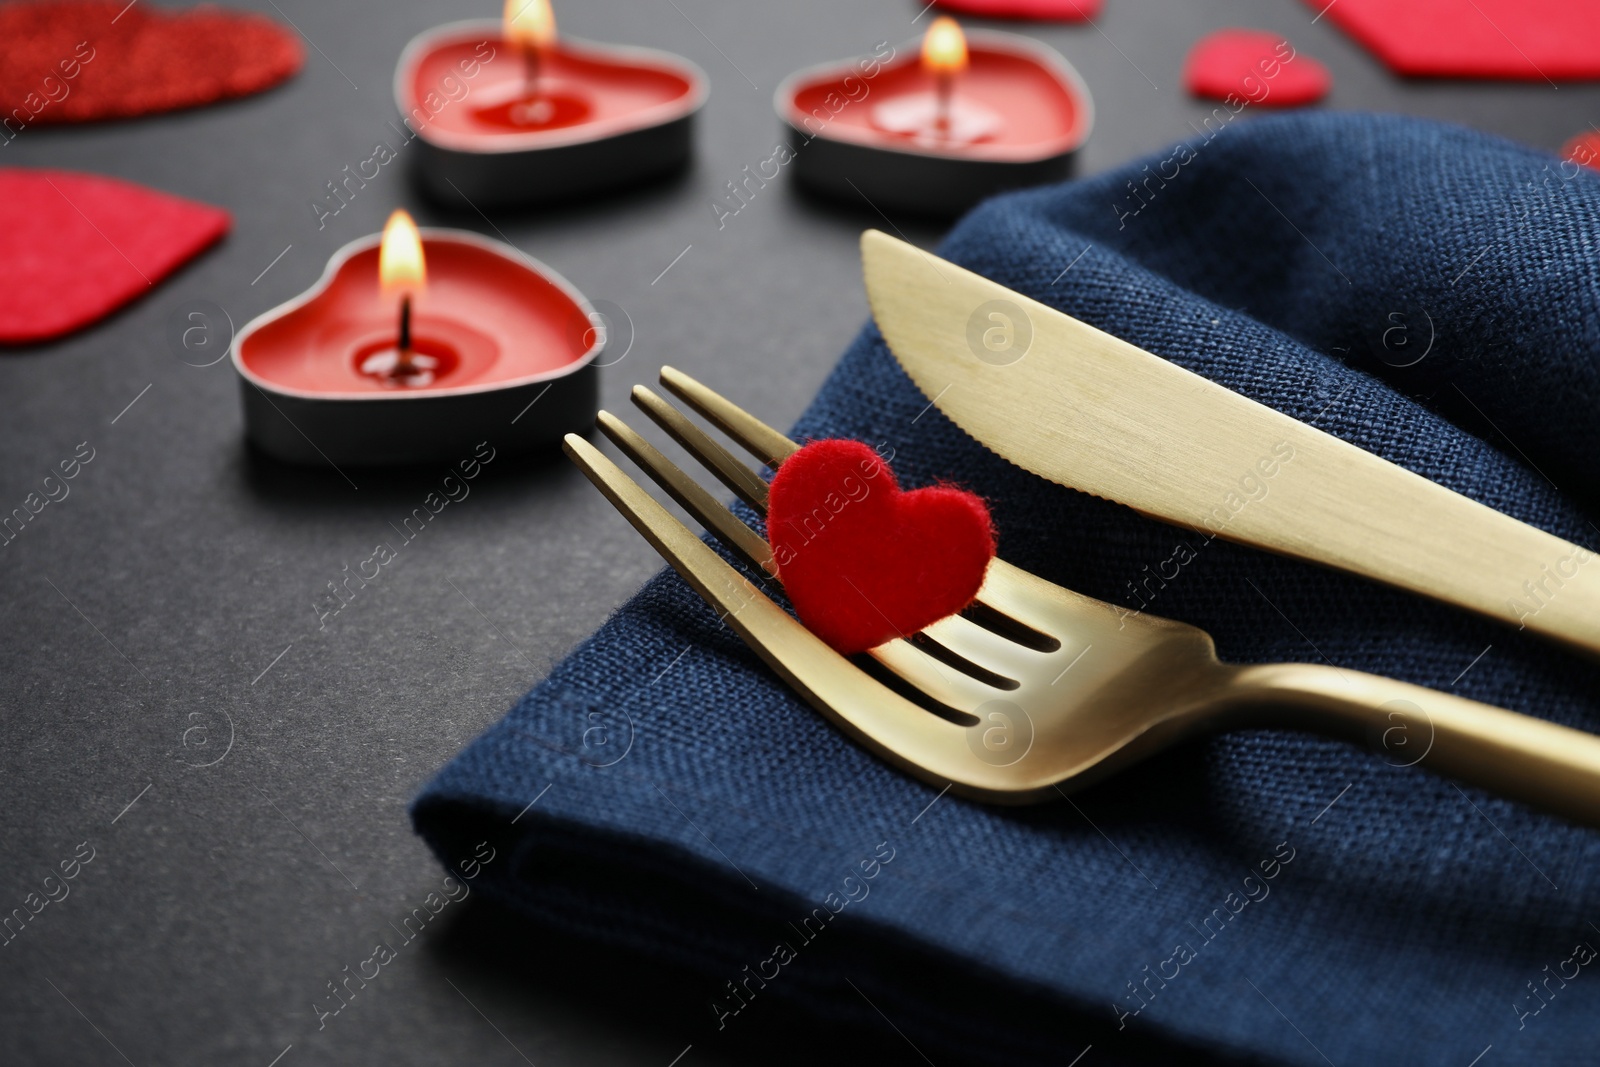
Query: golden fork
x,y
1039,689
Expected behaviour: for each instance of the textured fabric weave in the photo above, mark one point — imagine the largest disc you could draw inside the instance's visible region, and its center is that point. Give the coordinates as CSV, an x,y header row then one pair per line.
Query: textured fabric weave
x,y
1407,921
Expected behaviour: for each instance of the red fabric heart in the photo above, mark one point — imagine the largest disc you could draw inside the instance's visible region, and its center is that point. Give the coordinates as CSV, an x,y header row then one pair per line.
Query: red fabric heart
x,y
1526,40
1583,149
1038,10
75,247
864,562
80,60
1255,66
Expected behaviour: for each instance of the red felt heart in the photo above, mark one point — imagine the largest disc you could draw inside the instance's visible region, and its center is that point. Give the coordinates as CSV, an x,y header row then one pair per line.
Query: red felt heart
x,y
80,60
75,247
1527,40
1255,66
864,562
1583,149
1039,10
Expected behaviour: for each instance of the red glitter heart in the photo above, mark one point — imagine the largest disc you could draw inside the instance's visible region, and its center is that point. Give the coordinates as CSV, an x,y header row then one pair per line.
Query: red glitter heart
x,y
75,247
1038,10
81,60
1526,40
1255,66
1583,149
863,561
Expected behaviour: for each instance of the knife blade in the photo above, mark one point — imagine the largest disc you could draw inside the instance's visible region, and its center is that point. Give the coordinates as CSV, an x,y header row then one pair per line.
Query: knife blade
x,y
1074,404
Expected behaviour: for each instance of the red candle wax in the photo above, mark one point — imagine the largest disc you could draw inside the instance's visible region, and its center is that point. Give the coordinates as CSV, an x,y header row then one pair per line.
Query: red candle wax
x,y
596,91
506,347
592,118
901,136
1015,102
488,318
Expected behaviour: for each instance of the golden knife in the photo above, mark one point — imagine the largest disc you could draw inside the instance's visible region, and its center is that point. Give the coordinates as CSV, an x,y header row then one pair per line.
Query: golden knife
x,y
1071,403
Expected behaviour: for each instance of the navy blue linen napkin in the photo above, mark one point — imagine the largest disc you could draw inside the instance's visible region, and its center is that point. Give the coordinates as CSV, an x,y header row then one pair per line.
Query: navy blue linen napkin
x,y
1426,292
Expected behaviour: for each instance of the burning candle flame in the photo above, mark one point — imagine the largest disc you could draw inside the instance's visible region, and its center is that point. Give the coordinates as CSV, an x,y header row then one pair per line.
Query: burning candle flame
x,y
400,264
530,23
944,47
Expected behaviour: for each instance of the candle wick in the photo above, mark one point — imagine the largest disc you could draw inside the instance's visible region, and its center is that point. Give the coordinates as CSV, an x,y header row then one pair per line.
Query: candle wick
x,y
403,364
941,118
530,72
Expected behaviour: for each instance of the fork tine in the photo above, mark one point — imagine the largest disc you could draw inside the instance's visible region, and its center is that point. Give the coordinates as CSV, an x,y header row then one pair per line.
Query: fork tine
x,y
984,647
1005,589
706,509
879,718
732,473
953,688
1033,601
941,682
723,588
764,442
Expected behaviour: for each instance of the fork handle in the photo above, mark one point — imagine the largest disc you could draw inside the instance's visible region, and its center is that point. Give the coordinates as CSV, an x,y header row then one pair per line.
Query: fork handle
x,y
1518,756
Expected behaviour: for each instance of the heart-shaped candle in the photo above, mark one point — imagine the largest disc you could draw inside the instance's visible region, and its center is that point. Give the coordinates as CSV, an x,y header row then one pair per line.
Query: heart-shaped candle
x,y
936,125
863,561
417,347
507,112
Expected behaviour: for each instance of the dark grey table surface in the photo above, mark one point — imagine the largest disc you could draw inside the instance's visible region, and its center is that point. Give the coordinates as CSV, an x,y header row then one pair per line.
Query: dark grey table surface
x,y
242,775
